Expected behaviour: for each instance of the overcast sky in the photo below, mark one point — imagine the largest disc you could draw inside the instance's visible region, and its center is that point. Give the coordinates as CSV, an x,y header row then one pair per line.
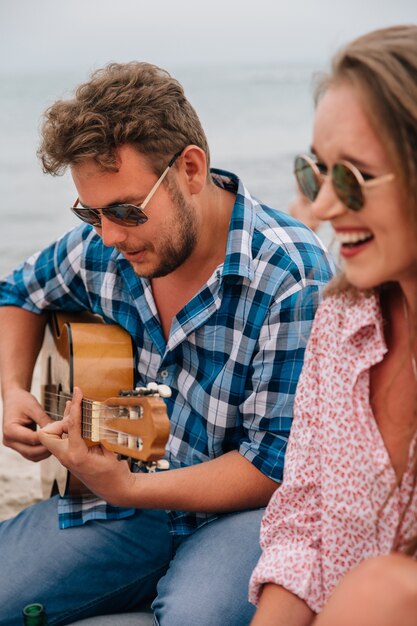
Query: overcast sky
x,y
85,34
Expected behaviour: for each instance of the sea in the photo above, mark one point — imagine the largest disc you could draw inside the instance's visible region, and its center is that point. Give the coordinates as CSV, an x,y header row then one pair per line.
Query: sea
x,y
256,119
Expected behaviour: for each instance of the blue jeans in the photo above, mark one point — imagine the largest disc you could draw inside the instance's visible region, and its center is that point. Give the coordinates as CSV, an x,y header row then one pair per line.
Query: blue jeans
x,y
115,566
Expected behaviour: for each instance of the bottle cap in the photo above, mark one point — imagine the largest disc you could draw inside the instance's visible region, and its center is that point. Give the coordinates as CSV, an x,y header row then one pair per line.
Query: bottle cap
x,y
34,615
33,610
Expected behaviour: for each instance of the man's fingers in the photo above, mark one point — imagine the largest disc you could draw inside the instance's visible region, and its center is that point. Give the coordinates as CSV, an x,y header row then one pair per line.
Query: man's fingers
x,y
74,417
40,417
56,429
67,408
54,437
37,414
33,453
22,413
63,438
53,441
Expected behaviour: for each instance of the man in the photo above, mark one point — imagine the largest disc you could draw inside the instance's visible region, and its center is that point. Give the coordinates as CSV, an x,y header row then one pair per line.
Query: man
x,y
218,293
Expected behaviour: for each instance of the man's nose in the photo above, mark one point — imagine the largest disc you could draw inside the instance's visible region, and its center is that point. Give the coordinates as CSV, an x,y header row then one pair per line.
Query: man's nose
x,y
111,233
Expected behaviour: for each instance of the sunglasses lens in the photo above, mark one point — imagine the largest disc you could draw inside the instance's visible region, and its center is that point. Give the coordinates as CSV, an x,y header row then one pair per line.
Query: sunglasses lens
x,y
347,187
306,178
125,214
89,216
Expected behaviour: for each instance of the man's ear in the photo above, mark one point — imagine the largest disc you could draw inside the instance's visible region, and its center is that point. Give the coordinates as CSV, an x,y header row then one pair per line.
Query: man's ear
x,y
194,168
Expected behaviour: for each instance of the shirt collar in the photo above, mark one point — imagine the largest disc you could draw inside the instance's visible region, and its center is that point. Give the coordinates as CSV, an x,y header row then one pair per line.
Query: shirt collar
x,y
238,259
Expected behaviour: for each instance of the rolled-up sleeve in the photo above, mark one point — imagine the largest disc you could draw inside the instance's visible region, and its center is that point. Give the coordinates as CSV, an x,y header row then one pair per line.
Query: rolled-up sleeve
x,y
267,412
50,279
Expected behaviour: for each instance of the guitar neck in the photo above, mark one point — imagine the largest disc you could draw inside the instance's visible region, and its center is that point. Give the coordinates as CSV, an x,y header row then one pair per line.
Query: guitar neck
x,y
98,420
132,426
91,412
98,358
82,351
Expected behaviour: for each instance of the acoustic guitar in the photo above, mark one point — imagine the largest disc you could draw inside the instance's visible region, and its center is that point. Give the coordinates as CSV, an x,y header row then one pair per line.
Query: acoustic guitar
x,y
82,351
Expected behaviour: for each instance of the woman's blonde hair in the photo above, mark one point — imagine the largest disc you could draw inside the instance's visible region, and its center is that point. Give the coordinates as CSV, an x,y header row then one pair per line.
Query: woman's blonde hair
x,y
382,66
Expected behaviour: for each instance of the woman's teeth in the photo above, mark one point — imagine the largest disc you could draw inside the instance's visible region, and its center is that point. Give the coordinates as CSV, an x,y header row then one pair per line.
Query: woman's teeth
x,y
353,238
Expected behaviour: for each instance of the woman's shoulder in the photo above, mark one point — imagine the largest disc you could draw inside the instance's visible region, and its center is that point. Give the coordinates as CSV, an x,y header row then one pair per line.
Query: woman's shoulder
x,y
343,313
344,305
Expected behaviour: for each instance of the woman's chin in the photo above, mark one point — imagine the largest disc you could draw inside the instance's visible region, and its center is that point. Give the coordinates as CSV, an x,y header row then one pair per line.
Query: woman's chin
x,y
361,280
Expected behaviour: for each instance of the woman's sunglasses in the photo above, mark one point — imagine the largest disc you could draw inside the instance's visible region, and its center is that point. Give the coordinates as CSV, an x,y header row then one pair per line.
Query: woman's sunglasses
x,y
348,182
122,214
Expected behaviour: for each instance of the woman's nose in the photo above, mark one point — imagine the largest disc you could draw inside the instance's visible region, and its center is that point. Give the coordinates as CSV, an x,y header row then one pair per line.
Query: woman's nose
x,y
327,205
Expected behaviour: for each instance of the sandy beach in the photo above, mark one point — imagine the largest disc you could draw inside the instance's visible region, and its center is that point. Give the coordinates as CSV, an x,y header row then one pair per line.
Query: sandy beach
x,y
19,478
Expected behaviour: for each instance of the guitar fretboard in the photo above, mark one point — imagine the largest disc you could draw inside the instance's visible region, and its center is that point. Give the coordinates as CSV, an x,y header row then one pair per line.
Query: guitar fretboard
x,y
95,417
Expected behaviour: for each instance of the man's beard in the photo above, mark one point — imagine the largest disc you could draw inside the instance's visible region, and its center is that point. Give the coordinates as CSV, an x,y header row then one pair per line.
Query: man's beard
x,y
177,246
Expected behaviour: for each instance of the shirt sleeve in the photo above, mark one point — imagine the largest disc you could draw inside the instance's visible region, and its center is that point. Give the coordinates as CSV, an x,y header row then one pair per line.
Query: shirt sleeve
x,y
291,527
53,278
276,366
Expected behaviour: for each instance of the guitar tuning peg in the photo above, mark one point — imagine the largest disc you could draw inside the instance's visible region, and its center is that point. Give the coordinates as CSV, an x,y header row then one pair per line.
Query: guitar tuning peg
x,y
140,390
152,466
152,386
162,464
164,391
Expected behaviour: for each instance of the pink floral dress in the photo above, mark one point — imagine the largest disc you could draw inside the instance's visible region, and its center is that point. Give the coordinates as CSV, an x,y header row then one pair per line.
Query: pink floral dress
x,y
338,503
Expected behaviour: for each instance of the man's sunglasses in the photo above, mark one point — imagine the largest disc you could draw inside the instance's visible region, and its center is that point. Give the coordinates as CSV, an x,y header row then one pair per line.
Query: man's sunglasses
x,y
122,214
348,182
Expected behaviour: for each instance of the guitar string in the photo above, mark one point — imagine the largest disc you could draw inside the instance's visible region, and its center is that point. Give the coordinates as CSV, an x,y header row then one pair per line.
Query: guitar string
x,y
85,401
105,415
65,396
88,427
111,433
101,426
59,416
101,407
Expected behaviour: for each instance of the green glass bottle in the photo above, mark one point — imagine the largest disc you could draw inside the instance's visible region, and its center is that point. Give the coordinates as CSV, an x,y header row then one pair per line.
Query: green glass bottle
x,y
34,615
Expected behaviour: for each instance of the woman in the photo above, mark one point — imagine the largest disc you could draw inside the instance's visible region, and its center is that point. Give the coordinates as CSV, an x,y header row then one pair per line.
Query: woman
x,y
349,490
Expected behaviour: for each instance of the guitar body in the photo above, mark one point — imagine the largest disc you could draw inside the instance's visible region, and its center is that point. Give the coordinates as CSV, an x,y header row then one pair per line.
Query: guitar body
x,y
81,351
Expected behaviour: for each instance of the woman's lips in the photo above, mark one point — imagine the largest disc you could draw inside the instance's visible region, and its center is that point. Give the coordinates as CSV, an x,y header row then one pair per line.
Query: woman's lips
x,y
353,241
350,250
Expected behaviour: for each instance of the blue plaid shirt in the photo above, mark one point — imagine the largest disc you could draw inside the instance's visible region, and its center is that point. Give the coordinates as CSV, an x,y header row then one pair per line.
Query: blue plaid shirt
x,y
234,353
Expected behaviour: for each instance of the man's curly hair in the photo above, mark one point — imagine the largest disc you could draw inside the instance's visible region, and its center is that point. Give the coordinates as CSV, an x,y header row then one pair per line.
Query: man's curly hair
x,y
133,103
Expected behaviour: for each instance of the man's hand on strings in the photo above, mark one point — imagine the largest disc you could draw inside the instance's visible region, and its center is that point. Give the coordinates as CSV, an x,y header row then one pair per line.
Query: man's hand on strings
x,y
95,466
21,414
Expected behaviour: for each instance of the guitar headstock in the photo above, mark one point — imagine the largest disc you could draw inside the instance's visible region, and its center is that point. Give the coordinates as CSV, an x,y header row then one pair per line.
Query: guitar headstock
x,y
133,424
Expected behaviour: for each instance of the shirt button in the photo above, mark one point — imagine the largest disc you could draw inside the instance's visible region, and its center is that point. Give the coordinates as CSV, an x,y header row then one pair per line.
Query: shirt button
x,y
163,374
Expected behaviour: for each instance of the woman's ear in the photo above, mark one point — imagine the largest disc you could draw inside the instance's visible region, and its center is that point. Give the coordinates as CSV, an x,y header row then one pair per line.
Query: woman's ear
x,y
194,168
